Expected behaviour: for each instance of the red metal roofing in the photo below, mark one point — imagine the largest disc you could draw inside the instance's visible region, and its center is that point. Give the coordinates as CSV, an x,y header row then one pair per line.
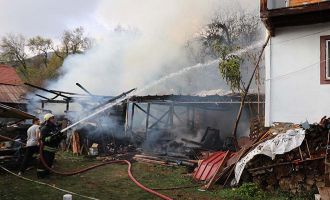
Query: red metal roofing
x,y
207,169
12,93
9,76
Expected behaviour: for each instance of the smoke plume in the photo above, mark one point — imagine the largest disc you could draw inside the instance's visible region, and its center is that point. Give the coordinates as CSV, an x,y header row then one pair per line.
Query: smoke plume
x,y
143,41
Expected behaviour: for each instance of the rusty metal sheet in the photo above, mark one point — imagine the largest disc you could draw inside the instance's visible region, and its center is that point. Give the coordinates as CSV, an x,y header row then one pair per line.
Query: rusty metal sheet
x,y
207,169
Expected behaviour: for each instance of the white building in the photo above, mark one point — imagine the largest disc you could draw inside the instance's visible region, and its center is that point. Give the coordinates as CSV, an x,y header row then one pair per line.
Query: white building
x,y
297,84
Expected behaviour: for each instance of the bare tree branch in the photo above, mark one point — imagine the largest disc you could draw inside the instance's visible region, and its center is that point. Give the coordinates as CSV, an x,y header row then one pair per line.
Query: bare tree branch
x,y
13,49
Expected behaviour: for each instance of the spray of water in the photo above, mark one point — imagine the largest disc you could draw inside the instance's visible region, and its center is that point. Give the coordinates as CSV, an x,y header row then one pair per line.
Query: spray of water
x,y
159,81
194,67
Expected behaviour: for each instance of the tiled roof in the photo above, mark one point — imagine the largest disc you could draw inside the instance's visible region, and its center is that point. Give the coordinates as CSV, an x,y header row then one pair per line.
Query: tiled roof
x,y
9,76
12,93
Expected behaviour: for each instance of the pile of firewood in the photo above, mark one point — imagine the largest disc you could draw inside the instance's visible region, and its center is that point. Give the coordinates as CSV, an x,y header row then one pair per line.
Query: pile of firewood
x,y
300,170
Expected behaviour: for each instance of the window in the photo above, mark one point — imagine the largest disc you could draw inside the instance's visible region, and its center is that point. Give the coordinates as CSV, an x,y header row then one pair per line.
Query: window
x,y
325,60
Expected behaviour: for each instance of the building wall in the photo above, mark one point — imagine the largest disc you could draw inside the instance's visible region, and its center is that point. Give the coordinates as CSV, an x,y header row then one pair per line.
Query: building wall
x,y
293,89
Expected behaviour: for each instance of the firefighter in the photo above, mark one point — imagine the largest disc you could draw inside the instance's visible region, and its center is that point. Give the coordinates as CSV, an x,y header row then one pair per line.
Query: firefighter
x,y
51,138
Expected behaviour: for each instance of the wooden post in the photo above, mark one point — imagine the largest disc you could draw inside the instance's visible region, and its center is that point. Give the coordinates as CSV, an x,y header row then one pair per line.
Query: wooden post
x,y
188,116
263,5
258,87
245,94
67,105
193,118
171,115
126,118
147,120
132,116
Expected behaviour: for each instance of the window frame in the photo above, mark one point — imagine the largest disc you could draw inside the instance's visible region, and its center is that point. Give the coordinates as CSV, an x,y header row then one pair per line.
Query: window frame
x,y
324,62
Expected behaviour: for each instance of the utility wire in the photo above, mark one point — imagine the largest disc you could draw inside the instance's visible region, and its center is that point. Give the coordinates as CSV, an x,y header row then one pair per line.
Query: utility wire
x,y
296,38
299,70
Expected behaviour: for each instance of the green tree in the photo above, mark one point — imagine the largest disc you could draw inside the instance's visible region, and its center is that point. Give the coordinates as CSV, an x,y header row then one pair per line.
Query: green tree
x,y
229,66
226,33
73,42
40,46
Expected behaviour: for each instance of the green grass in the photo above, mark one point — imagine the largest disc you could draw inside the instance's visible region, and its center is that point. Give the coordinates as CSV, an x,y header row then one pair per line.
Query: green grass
x,y
112,182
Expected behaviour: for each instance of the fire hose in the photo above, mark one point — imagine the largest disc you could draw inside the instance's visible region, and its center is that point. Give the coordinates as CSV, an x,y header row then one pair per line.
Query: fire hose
x,y
129,171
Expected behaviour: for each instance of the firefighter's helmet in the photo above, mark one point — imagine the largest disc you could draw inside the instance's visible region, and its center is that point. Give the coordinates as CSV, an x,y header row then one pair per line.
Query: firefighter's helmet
x,y
48,116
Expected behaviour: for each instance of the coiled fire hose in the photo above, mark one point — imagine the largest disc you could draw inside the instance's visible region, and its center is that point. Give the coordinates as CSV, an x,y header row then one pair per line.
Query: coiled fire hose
x,y
129,171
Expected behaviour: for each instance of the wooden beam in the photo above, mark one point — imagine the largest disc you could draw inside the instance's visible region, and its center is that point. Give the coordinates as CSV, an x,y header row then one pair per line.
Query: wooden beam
x,y
139,107
67,105
132,116
171,115
147,120
263,5
160,119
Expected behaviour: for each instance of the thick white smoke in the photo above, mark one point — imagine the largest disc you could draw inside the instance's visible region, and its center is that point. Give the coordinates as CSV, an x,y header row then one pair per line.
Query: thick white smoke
x,y
149,45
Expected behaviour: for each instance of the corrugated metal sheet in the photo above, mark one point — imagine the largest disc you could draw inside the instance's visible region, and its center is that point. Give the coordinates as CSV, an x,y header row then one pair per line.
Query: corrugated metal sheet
x,y
12,93
209,166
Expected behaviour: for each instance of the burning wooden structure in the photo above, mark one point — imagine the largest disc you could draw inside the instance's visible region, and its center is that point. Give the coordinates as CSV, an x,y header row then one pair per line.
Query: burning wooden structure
x,y
10,150
195,121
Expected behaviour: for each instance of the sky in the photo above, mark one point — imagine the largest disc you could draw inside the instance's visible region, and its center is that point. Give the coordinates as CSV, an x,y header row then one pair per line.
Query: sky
x,y
120,61
50,17
46,17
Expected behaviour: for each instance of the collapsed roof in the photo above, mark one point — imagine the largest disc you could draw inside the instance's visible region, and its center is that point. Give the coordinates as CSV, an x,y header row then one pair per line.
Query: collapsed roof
x,y
10,112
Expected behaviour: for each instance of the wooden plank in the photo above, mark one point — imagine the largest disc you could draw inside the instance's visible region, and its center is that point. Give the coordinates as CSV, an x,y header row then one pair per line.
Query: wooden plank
x,y
301,2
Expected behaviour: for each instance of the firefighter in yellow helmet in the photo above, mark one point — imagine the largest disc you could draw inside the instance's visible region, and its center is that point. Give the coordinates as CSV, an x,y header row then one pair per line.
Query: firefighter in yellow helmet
x,y
51,137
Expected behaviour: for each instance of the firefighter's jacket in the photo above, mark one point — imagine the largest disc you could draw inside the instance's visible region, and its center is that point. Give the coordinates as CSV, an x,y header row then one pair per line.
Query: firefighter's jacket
x,y
50,136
